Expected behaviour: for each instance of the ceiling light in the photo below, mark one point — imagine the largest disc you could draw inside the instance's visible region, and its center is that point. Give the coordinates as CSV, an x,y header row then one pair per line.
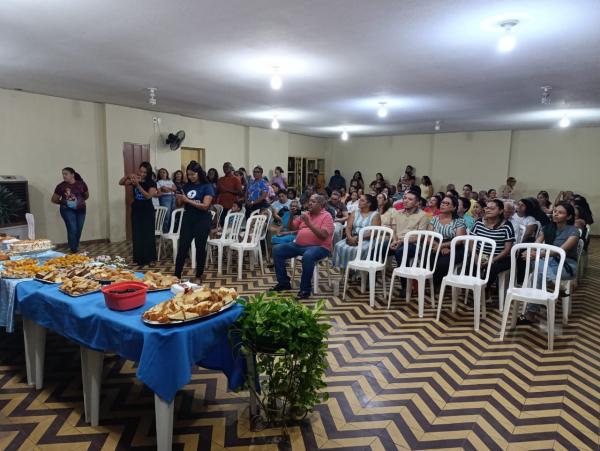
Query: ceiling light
x,y
546,93
276,81
437,126
564,122
274,123
344,135
382,111
152,96
508,41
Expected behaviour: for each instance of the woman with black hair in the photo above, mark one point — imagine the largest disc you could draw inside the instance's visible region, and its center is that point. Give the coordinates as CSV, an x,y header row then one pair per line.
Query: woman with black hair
x,y
365,215
142,213
426,187
178,180
196,199
494,226
278,178
544,200
385,210
449,225
528,212
360,184
561,233
71,195
213,178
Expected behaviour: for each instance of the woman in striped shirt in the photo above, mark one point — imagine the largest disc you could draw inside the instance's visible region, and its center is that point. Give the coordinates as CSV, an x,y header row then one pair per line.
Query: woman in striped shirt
x,y
494,226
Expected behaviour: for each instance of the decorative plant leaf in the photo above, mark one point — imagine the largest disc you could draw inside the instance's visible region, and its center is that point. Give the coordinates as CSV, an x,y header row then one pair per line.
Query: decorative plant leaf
x,y
10,205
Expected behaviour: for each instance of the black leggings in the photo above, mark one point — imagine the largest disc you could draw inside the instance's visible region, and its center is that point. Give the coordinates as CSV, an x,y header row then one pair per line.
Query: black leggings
x,y
443,264
195,229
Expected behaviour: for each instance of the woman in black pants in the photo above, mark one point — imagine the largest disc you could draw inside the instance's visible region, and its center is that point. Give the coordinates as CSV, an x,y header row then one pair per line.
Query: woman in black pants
x,y
142,213
196,198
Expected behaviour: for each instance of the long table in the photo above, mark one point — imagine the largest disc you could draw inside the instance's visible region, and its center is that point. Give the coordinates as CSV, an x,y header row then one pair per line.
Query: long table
x,y
165,355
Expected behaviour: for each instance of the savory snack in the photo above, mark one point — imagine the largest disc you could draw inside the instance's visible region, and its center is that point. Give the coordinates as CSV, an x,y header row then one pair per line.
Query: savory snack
x,y
51,275
105,274
190,305
30,246
23,269
78,286
69,261
159,281
3,256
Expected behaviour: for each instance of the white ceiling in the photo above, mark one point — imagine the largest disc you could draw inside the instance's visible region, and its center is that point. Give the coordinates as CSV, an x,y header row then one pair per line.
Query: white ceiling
x,y
429,59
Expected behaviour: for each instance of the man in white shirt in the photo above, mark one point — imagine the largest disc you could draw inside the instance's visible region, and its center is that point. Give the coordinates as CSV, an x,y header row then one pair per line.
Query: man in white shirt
x,y
513,219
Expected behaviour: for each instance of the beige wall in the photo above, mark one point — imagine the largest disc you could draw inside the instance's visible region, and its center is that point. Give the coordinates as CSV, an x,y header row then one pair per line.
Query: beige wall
x,y
39,135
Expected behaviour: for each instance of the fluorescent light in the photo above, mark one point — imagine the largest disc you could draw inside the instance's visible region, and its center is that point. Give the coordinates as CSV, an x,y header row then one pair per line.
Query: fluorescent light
x,y
382,111
507,41
276,81
564,122
437,126
275,123
344,135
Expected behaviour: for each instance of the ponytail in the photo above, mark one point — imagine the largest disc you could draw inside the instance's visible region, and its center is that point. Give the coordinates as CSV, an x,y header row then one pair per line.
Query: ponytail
x,y
75,174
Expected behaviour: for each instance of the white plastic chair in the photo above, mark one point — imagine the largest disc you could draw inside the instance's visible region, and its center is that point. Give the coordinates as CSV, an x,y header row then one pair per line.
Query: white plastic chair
x,y
30,226
468,274
160,213
325,261
534,289
173,233
421,268
193,245
250,242
218,209
372,259
231,232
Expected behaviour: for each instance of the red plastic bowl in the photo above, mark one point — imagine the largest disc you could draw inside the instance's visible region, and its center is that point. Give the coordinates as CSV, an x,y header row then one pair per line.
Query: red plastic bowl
x,y
125,301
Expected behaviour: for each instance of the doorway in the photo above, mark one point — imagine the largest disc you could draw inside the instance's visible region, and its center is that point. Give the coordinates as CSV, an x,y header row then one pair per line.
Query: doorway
x,y
133,156
192,153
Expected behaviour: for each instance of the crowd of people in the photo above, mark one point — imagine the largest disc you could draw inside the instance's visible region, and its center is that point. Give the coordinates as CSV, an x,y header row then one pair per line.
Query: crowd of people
x,y
325,220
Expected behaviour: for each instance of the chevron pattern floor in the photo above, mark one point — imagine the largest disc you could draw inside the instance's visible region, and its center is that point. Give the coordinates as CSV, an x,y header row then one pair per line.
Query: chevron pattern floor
x,y
395,381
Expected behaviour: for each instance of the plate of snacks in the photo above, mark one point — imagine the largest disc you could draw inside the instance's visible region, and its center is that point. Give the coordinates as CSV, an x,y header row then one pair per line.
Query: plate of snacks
x,y
157,281
23,247
22,269
106,275
190,306
50,276
69,261
79,286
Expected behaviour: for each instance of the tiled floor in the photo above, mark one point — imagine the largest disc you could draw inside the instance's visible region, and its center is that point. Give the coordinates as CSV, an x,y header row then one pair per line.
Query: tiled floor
x,y
395,382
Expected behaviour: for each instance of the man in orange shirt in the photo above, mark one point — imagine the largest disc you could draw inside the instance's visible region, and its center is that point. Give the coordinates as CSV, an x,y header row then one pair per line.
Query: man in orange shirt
x,y
313,242
229,188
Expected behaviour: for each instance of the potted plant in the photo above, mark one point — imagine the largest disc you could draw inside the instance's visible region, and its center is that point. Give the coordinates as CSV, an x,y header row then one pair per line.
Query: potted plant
x,y
286,342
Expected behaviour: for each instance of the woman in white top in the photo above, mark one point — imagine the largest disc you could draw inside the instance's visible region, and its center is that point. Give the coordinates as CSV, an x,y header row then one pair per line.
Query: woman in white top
x,y
529,212
166,191
352,204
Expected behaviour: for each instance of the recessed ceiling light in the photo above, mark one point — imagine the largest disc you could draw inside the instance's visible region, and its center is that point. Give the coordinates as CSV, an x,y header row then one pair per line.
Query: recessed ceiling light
x,y
275,123
564,122
382,111
437,126
276,81
344,135
507,41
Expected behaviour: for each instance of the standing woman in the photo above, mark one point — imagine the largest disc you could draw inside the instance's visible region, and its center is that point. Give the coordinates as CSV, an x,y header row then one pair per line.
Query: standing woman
x,y
178,180
278,178
71,195
142,213
166,189
426,187
213,178
196,199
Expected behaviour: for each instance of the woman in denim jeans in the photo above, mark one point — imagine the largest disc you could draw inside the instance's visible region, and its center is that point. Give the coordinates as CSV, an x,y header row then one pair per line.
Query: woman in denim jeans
x,y
166,189
71,195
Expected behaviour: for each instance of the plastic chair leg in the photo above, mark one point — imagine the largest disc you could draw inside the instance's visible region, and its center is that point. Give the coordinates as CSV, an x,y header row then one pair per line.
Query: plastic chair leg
x,y
391,290
345,283
505,314
316,278
454,298
477,306
260,260
432,292
293,265
240,263
440,300
551,311
372,281
220,260
408,290
421,288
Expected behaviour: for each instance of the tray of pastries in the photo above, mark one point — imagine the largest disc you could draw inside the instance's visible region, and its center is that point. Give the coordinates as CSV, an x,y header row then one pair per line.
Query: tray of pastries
x,y
157,281
30,246
190,306
79,286
69,261
50,276
104,274
22,269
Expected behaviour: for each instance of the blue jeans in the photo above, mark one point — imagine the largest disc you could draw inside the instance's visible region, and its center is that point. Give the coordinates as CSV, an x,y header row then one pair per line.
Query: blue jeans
x,y
310,256
169,202
74,220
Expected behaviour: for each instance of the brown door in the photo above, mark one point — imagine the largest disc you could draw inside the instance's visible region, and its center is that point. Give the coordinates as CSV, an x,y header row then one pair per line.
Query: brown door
x,y
133,156
191,153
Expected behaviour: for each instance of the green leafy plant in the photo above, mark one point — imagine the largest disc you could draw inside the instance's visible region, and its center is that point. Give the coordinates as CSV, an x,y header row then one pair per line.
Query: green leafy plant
x,y
289,342
10,205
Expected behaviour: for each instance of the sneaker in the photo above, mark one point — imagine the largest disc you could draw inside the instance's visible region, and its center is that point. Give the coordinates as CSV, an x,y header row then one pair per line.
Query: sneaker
x,y
281,287
303,295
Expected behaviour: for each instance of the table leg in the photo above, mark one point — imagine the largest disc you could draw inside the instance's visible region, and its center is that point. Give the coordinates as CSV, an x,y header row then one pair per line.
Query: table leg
x,y
91,376
164,423
34,337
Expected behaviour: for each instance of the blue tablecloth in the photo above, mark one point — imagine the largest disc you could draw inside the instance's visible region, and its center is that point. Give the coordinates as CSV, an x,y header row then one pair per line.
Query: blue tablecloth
x,y
165,355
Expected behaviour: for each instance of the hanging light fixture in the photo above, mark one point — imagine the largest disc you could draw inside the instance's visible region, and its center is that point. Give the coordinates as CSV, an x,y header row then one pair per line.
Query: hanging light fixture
x,y
437,126
276,81
275,123
508,40
344,136
382,111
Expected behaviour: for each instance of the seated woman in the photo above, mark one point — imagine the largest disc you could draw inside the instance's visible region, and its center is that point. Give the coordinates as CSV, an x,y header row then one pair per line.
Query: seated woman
x,y
284,235
366,215
426,187
464,205
544,200
494,226
357,181
385,210
562,233
433,206
352,204
528,212
449,225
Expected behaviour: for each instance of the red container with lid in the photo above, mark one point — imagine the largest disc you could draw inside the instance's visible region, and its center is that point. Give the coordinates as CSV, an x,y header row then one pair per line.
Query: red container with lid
x,y
125,295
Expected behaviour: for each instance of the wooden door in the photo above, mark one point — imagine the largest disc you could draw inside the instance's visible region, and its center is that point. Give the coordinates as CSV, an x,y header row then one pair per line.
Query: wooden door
x,y
133,156
192,153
